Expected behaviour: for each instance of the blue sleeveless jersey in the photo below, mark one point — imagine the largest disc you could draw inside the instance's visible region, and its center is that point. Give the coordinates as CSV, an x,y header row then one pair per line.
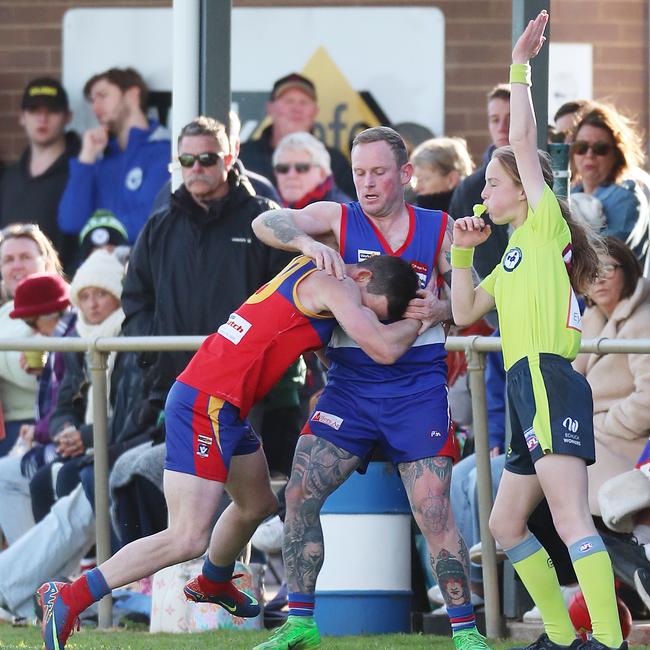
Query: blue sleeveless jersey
x,y
423,367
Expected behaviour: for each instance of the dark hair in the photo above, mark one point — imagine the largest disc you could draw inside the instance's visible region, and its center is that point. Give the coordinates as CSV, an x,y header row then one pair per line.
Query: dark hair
x,y
568,108
203,125
123,78
630,265
500,91
583,270
387,135
627,142
393,277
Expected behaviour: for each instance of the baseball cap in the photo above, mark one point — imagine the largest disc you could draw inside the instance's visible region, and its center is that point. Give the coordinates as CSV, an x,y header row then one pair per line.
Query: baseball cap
x,y
45,91
294,80
101,229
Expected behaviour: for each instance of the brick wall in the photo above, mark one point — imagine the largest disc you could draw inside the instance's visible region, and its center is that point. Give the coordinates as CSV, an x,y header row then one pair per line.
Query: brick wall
x,y
478,34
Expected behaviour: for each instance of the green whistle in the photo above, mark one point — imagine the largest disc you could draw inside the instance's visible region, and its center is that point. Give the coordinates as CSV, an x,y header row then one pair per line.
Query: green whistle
x,y
478,209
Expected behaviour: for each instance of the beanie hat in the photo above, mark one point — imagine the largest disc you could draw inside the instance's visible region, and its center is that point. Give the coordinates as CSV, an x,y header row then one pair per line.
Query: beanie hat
x,y
102,269
103,228
40,294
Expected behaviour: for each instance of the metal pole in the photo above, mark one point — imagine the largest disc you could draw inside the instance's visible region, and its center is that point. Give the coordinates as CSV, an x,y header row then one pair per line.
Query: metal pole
x,y
522,12
98,365
214,97
476,369
185,70
559,153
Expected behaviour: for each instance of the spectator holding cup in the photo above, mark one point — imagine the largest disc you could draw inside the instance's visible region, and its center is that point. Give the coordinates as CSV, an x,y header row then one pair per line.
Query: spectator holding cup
x,y
24,250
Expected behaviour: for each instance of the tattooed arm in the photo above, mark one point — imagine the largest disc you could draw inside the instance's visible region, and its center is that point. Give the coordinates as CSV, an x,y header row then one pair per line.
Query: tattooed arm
x,y
312,231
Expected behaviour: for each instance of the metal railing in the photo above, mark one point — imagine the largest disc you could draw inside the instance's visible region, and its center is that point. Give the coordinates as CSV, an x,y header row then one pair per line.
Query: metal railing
x,y
475,348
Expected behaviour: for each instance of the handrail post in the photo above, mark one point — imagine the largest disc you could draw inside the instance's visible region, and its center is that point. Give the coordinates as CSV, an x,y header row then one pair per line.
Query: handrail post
x,y
98,366
476,369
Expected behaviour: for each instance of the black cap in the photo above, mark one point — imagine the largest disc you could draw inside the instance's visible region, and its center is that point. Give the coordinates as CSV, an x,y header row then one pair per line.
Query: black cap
x,y
45,91
294,80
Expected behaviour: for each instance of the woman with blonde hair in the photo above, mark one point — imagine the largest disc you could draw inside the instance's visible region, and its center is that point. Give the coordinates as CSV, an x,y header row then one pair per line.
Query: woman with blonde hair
x,y
548,261
439,165
24,250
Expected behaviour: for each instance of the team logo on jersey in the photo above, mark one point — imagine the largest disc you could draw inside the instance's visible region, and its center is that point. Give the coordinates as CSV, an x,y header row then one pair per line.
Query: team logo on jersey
x,y
328,419
364,254
202,450
422,270
512,259
574,317
133,179
234,328
531,439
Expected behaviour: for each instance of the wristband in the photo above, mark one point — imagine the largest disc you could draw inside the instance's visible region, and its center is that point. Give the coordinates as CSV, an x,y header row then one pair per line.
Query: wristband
x,y
520,74
461,258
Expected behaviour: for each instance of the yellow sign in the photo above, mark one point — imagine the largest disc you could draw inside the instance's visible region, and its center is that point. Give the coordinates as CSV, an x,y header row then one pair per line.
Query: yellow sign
x,y
342,110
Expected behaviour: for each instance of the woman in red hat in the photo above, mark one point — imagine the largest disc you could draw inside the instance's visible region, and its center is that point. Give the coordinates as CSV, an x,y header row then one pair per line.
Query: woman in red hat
x,y
42,302
24,250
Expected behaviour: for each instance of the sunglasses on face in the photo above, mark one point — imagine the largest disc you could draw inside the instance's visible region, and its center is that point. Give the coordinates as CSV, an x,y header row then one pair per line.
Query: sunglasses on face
x,y
606,272
581,147
206,159
285,168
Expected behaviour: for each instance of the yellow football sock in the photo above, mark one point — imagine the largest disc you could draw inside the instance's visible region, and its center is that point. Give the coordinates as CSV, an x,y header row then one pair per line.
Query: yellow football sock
x,y
596,579
534,567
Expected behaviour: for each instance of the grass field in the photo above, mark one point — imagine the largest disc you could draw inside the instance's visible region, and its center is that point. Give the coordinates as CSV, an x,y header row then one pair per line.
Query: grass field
x,y
29,638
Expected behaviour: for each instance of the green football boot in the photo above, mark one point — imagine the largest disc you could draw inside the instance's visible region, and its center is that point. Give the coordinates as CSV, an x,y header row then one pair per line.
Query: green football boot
x,y
470,639
298,633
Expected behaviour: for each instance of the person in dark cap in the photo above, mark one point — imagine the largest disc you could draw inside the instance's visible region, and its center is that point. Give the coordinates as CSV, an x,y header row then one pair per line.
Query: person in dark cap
x,y
31,188
102,230
292,107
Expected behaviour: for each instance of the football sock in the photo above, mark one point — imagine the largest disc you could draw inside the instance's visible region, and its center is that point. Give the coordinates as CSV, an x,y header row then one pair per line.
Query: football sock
x,y
535,568
86,590
301,604
213,576
461,618
596,579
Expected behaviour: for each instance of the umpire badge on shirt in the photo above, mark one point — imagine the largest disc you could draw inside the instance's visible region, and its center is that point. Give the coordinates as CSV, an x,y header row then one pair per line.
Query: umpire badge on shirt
x,y
133,179
203,448
512,259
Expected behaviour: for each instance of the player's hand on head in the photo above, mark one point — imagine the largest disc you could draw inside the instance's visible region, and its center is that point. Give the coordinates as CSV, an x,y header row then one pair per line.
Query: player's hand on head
x,y
428,308
531,40
325,258
470,232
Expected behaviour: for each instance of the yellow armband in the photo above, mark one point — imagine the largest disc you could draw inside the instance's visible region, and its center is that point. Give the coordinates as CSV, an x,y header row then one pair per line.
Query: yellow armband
x,y
462,258
520,74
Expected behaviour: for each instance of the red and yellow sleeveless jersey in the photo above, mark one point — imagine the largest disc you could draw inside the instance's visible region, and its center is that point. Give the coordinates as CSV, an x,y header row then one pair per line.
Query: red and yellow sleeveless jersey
x,y
249,353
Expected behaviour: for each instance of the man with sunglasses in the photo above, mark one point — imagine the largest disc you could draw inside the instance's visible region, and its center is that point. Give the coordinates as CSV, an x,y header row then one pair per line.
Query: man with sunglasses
x,y
123,161
196,258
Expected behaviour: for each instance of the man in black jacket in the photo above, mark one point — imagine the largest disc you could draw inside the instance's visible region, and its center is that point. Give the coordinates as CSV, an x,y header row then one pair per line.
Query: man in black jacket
x,y
30,189
197,259
293,107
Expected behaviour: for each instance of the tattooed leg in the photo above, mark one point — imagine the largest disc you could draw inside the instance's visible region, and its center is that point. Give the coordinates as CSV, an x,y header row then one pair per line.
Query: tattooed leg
x,y
319,467
427,484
